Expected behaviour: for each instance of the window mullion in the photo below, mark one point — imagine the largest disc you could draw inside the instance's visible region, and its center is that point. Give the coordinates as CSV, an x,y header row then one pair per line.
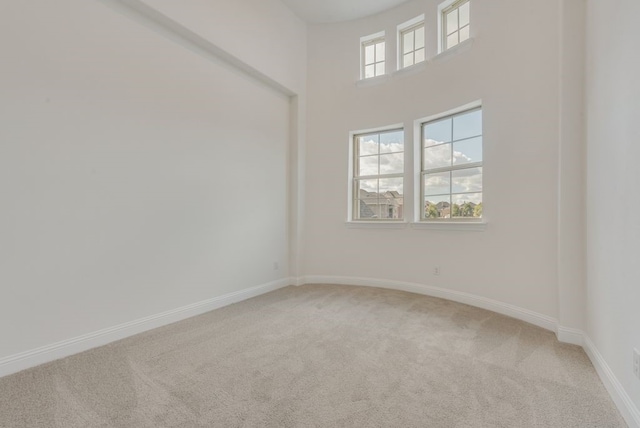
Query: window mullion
x,y
451,174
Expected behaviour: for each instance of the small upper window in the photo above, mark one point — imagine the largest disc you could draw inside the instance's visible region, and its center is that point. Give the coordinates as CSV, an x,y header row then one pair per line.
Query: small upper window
x,y
412,45
373,56
455,23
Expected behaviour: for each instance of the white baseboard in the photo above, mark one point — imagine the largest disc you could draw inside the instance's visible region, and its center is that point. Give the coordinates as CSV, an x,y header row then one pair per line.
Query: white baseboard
x,y
45,354
570,335
25,360
567,335
526,315
625,405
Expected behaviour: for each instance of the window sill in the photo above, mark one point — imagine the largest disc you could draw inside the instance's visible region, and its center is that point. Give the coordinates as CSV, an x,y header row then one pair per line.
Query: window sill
x,y
412,69
462,47
376,224
417,68
451,225
372,81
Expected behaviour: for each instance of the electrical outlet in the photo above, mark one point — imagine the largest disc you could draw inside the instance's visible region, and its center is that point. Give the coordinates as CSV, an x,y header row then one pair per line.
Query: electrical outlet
x,y
636,363
436,270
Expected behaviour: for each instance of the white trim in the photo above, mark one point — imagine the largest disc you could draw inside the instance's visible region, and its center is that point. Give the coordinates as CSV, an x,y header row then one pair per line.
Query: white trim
x,y
570,335
460,109
402,28
418,174
627,408
459,48
24,360
380,224
379,37
621,399
412,69
373,81
410,23
451,225
507,309
441,7
350,168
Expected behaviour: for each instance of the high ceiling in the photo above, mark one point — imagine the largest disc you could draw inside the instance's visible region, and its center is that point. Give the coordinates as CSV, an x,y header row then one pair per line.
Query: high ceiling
x,y
323,11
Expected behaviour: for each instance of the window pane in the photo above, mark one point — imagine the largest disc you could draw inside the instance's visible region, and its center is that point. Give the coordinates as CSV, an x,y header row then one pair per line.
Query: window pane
x,y
452,40
380,69
392,164
419,55
467,180
464,14
437,132
380,52
452,21
391,198
407,60
369,71
368,145
437,184
368,165
393,185
407,42
437,207
464,34
367,199
437,156
419,43
467,151
367,209
467,125
467,205
392,142
369,57
366,189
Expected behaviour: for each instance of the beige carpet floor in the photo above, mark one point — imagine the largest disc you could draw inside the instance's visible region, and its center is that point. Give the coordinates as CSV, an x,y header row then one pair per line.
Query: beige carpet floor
x,y
321,356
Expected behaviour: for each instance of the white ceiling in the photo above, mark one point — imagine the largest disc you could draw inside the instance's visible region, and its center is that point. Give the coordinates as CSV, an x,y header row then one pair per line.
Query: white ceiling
x,y
323,11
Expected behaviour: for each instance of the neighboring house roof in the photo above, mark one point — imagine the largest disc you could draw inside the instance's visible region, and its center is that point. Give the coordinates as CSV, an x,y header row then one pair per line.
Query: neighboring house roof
x,y
365,211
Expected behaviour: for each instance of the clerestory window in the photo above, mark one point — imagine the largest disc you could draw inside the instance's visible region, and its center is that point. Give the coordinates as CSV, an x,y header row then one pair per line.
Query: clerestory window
x,y
373,56
455,23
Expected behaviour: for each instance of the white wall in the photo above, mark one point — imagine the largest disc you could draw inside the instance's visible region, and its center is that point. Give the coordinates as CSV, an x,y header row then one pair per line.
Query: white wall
x,y
613,147
262,33
571,203
513,66
267,36
135,176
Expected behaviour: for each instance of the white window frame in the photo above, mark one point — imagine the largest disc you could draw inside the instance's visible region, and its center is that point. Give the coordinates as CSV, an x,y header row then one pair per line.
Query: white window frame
x,y
444,9
372,39
404,28
353,177
419,204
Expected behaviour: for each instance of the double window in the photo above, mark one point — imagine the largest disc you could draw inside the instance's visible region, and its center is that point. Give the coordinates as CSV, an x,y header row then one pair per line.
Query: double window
x,y
450,170
378,179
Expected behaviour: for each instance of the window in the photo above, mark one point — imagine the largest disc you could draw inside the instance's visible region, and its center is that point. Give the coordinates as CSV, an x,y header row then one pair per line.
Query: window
x,y
411,39
373,56
378,176
451,173
455,22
